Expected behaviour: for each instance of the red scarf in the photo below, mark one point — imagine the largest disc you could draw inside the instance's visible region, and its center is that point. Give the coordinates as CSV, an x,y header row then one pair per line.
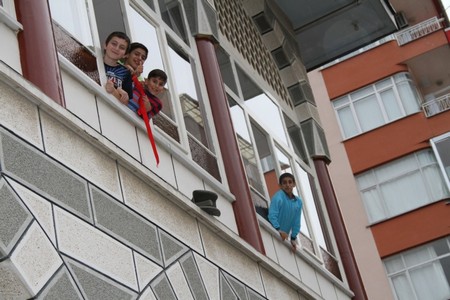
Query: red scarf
x,y
143,113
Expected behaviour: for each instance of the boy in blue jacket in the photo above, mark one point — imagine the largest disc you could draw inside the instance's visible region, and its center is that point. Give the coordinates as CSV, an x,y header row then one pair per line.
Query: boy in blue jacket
x,y
285,210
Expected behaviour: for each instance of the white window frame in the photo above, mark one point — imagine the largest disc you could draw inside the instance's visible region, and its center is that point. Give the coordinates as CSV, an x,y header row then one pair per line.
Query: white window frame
x,y
433,142
376,185
349,101
405,270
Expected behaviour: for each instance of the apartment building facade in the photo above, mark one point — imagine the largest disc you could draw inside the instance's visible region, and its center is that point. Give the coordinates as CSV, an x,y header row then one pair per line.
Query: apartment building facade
x,y
385,110
87,212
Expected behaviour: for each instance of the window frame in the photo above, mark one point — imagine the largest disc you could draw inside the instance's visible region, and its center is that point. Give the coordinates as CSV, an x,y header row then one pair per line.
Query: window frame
x,y
433,143
349,101
376,186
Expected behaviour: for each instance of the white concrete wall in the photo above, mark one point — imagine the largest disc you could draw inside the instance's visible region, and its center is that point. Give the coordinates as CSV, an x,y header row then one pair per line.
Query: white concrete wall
x,y
352,208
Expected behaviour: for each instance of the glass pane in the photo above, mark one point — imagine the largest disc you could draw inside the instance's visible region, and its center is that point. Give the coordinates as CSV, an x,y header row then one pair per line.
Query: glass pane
x,y
366,180
391,106
347,122
443,150
362,93
435,182
404,194
263,108
296,137
429,282
309,204
187,93
72,15
374,206
383,84
144,32
245,146
108,14
369,113
150,3
402,288
172,15
394,264
418,256
341,101
409,97
226,69
396,168
266,159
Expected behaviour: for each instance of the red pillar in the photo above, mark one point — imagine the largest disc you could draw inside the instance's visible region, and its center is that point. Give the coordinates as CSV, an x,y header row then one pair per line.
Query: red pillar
x,y
337,222
38,53
243,207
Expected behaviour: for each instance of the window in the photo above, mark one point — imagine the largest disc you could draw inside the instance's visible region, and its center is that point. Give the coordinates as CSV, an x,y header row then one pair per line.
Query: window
x,y
73,17
172,15
377,104
441,147
421,273
246,147
263,107
402,185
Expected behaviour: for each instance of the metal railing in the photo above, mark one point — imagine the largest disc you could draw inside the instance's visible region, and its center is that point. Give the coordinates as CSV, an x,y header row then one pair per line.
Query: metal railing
x,y
417,31
436,106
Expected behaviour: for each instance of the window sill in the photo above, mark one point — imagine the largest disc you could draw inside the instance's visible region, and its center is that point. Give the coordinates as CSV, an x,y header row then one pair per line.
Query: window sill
x,y
9,21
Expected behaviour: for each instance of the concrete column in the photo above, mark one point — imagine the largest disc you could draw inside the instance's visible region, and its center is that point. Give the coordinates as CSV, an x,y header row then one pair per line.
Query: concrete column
x,y
337,222
38,54
243,207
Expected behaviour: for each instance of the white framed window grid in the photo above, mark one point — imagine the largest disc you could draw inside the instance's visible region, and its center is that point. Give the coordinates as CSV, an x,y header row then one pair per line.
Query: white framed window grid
x,y
376,105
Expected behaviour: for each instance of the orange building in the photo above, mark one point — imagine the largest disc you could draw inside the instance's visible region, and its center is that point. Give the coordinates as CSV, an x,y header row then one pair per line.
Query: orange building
x,y
385,110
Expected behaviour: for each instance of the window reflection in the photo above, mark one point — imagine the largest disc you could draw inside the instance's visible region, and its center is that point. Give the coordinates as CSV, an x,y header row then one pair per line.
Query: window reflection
x,y
187,94
172,15
109,17
296,137
304,182
245,146
265,110
266,159
226,69
150,3
72,16
145,33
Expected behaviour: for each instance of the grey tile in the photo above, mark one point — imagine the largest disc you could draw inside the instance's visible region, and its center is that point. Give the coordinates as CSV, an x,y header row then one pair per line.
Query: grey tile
x,y
126,225
96,286
14,218
193,277
238,287
162,288
61,287
226,292
252,295
172,249
42,174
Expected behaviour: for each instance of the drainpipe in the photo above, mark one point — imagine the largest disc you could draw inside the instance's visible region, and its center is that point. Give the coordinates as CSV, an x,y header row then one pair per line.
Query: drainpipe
x,y
38,55
243,207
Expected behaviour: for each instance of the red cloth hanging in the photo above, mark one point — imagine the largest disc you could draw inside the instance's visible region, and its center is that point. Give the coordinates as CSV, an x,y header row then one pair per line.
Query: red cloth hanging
x,y
143,113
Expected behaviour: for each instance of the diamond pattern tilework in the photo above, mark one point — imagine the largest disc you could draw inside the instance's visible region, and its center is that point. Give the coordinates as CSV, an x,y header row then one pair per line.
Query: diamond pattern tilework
x,y
172,248
14,218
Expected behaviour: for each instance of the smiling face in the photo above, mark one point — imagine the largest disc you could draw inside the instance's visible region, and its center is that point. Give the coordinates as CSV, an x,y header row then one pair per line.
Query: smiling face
x,y
115,49
155,85
136,57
